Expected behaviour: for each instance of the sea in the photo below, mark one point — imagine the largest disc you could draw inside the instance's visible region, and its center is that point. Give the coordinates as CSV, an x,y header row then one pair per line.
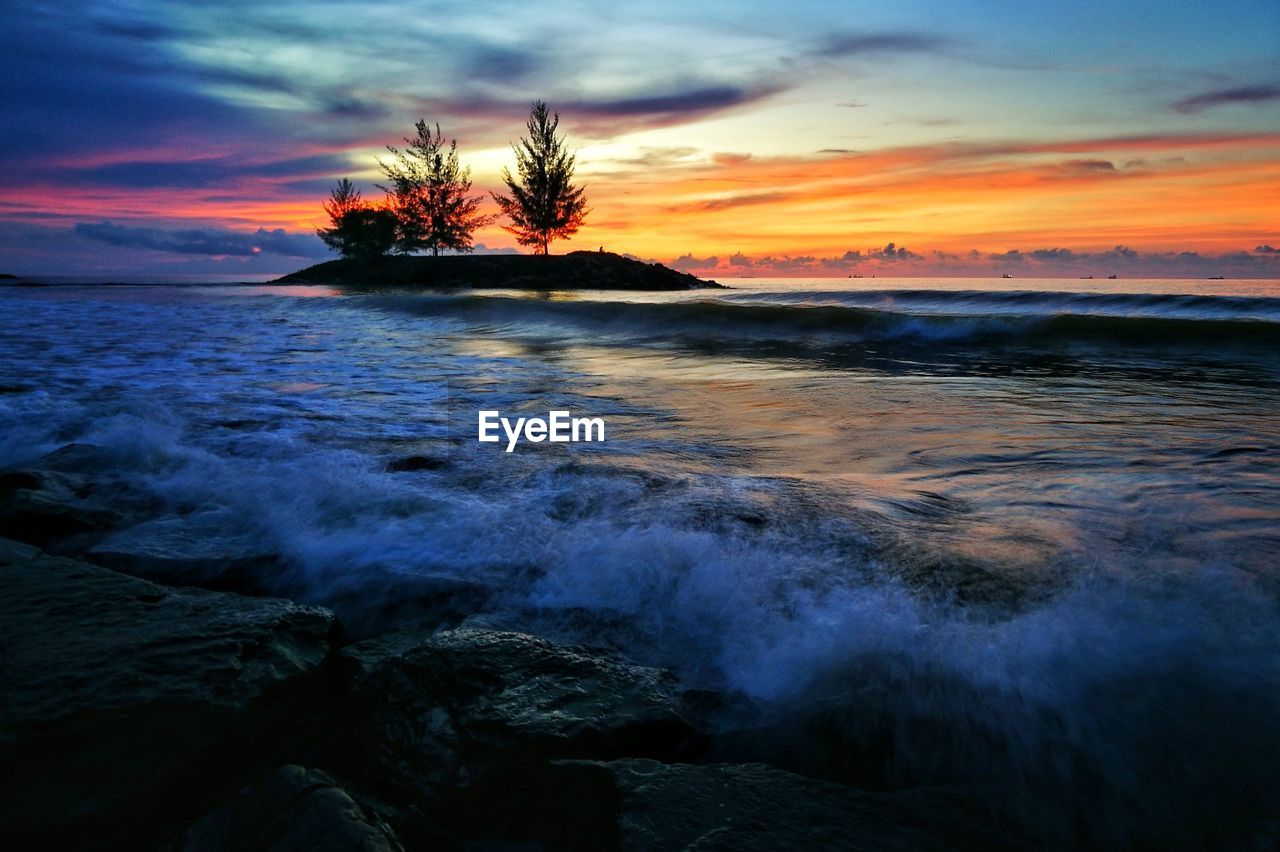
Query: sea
x,y
1011,535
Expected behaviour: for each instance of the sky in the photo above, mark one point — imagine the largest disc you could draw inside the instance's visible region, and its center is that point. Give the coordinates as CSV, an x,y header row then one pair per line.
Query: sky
x,y
727,138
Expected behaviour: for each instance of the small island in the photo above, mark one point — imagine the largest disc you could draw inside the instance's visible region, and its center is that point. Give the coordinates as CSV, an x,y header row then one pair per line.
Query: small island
x,y
579,270
422,233
4,276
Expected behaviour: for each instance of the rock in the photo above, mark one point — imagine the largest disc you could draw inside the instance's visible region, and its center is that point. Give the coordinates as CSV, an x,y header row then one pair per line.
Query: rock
x,y
384,599
471,718
43,507
125,703
85,459
291,809
643,805
189,551
68,500
579,270
415,463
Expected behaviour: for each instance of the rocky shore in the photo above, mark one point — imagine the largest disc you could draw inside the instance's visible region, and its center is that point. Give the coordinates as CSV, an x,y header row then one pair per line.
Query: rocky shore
x,y
579,270
199,713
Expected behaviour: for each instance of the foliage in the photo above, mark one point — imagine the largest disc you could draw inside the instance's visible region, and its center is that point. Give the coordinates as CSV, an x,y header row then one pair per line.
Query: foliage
x,y
357,229
429,193
543,204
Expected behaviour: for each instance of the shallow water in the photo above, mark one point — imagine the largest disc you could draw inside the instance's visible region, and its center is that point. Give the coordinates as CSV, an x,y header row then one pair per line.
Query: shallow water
x,y
1033,531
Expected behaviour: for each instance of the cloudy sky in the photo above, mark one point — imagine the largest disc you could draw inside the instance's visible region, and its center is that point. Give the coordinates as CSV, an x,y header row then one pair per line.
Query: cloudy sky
x,y
806,137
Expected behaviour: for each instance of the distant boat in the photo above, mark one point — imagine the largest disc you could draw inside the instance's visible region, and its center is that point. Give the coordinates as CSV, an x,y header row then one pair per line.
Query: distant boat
x,y
1086,277
1111,277
855,276
1217,278
1006,275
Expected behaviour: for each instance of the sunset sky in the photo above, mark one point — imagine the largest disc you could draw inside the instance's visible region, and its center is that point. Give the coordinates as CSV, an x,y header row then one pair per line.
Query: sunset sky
x,y
799,138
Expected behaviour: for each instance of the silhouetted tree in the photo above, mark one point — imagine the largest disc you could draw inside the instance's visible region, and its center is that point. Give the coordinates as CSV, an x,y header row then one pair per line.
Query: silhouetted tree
x,y
543,204
357,229
430,194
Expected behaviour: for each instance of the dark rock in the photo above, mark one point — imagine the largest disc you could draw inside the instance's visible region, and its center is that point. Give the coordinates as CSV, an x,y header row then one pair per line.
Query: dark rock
x,y
189,551
5,276
68,500
43,507
471,718
291,809
579,270
87,459
643,804
415,463
125,703
383,599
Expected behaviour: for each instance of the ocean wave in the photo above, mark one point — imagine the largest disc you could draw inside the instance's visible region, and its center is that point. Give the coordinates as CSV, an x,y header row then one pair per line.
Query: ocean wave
x,y
907,317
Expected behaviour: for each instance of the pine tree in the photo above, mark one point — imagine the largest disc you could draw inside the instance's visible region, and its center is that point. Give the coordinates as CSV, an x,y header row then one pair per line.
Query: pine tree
x,y
429,192
356,229
543,204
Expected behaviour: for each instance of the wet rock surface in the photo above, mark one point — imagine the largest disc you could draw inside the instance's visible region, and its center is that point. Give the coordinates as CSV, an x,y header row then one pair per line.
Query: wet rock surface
x,y
188,552
644,804
67,501
483,711
122,698
293,808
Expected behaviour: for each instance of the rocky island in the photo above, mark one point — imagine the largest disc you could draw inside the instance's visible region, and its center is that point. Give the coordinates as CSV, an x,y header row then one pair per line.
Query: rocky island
x,y
579,270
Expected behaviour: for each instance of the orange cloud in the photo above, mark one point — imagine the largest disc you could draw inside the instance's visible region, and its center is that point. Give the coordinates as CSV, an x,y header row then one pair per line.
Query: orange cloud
x,y
1206,193
1201,193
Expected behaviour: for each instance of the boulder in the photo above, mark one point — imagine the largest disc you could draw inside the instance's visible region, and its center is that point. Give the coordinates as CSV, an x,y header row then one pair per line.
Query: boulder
x,y
472,718
293,808
383,599
410,464
643,805
43,508
125,704
189,551
68,500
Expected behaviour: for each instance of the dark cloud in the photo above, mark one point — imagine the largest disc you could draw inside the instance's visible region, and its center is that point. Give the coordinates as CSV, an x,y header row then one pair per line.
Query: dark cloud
x,y
657,157
209,242
856,44
212,172
500,64
893,252
743,200
1220,97
1053,254
697,100
1089,166
688,261
137,30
